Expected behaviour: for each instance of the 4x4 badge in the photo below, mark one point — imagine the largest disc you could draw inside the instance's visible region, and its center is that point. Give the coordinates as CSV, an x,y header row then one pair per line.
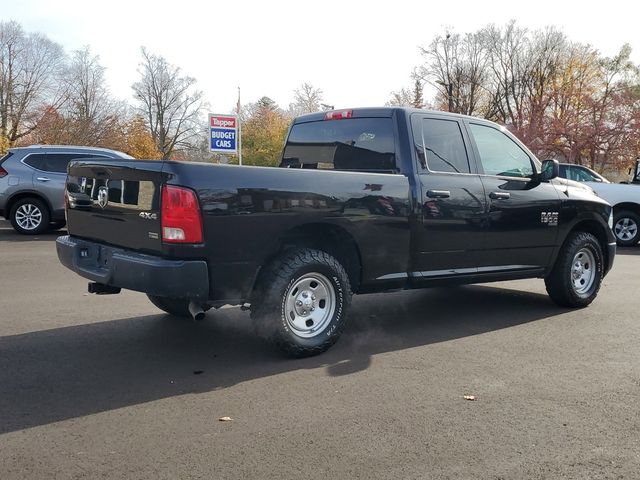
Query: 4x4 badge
x,y
103,196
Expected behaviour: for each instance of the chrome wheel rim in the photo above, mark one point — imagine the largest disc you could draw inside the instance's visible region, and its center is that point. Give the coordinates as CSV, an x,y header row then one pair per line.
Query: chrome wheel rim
x,y
626,229
28,216
309,305
583,271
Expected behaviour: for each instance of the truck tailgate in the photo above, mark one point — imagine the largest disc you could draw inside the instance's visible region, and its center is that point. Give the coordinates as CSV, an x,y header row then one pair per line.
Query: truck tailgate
x,y
116,202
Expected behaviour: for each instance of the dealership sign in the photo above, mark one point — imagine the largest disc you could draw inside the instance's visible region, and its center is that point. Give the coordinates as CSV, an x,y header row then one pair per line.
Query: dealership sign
x,y
224,133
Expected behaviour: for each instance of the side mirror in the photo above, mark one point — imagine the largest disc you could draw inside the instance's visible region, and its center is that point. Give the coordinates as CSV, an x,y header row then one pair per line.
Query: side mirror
x,y
550,170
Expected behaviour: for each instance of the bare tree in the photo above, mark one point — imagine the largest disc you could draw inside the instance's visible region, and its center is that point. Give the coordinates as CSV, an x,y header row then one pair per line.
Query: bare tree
x,y
90,110
525,67
30,69
409,97
170,103
568,111
307,99
457,66
561,98
508,51
401,98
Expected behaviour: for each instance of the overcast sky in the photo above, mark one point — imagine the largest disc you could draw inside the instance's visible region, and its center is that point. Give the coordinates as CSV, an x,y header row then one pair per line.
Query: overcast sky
x,y
357,52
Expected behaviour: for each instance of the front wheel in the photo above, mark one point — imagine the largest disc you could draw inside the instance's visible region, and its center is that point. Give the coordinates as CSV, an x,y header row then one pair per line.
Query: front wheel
x,y
626,228
577,275
301,302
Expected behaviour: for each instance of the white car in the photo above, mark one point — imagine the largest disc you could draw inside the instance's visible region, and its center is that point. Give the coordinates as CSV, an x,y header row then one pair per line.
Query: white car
x,y
624,197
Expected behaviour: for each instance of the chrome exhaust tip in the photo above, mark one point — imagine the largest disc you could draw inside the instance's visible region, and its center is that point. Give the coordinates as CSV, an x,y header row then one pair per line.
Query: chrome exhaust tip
x,y
196,311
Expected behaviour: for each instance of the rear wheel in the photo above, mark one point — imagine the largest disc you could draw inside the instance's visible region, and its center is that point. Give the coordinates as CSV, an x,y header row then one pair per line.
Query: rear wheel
x,y
29,216
626,227
576,277
178,307
301,302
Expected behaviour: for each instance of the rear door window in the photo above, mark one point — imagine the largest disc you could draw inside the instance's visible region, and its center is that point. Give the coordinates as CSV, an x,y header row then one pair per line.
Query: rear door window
x,y
356,144
440,145
57,162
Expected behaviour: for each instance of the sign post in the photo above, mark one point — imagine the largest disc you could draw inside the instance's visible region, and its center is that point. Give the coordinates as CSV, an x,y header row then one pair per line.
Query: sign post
x,y
223,134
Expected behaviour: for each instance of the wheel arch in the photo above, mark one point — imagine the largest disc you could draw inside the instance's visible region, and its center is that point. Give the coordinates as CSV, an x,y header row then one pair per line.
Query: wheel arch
x,y
327,237
620,207
11,201
596,229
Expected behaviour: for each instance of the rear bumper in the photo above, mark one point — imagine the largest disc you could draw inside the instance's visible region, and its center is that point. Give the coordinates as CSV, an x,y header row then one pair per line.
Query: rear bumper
x,y
128,269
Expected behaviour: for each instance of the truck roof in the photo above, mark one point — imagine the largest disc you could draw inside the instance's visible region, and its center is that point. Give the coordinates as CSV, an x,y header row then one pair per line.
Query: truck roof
x,y
73,148
369,112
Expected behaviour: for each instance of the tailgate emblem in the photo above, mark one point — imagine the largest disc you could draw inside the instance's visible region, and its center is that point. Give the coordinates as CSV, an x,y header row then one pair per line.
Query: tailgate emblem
x,y
103,196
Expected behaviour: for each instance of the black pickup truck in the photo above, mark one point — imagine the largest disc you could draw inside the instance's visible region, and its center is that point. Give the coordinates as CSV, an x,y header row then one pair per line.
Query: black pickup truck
x,y
366,200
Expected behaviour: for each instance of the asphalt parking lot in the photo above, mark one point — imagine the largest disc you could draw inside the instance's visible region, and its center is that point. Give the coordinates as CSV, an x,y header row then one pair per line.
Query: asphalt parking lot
x,y
110,387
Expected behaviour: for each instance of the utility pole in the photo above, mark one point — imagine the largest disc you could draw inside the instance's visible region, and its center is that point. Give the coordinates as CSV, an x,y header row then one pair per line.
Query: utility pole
x,y
239,130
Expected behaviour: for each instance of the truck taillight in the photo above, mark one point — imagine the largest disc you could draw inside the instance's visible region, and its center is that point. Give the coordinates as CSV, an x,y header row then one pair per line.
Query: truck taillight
x,y
180,215
338,114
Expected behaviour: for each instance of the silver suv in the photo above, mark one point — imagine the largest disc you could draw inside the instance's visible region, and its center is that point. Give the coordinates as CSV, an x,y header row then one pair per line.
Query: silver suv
x,y
32,183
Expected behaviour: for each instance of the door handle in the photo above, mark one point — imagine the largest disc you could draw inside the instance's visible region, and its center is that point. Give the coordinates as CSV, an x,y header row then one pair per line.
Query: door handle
x,y
499,195
43,179
438,193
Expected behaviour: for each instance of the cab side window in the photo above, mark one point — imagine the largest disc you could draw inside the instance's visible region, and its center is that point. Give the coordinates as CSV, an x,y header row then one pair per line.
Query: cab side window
x,y
56,162
581,175
440,146
354,144
499,154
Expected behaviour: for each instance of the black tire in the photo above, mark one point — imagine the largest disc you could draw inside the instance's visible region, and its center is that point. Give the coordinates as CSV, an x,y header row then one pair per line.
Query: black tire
x,y
57,225
178,307
284,292
30,216
577,274
626,228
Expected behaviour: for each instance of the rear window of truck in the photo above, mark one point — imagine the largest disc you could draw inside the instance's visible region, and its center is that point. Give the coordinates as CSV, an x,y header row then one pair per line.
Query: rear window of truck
x,y
355,144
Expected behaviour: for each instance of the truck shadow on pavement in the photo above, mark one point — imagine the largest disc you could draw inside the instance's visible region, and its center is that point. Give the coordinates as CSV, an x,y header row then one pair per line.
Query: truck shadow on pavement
x,y
53,375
